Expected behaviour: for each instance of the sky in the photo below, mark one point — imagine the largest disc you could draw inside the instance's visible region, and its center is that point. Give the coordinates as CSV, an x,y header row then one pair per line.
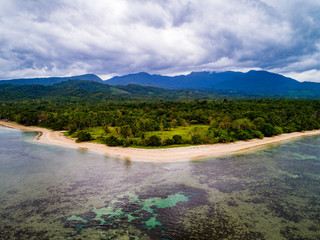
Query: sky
x,y
42,38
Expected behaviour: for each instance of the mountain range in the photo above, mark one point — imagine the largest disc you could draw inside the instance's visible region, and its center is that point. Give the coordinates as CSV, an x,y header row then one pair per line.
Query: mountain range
x,y
258,83
253,82
91,91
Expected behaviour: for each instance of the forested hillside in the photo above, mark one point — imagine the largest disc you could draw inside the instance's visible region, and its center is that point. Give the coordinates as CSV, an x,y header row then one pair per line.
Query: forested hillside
x,y
50,80
80,90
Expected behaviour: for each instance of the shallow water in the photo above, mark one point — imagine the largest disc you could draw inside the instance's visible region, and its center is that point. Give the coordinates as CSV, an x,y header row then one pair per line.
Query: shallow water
x,y
48,192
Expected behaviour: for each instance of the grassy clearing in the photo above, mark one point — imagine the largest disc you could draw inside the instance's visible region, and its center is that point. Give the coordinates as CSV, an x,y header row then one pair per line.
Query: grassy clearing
x,y
98,134
185,132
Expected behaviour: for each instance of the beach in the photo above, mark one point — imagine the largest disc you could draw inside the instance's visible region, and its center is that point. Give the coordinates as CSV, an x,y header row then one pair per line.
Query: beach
x,y
177,154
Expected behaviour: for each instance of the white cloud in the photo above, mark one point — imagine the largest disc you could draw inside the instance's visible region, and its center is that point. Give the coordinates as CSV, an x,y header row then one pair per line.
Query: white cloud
x,y
43,38
310,76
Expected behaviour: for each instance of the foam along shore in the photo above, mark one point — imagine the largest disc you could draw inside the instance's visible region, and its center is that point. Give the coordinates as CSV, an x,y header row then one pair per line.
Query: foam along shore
x,y
162,154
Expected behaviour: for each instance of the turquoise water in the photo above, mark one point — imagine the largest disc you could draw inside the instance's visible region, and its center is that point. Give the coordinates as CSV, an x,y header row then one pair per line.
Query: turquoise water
x,y
48,192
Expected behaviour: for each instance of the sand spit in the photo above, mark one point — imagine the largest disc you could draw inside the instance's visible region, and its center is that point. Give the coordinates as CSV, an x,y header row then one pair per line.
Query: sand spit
x,y
178,154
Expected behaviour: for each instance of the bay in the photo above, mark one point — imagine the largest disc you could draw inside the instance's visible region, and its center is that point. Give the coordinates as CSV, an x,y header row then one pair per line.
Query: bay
x,y
49,192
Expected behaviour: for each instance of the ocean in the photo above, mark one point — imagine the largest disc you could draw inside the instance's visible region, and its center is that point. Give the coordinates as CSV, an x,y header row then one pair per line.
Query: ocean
x,y
49,192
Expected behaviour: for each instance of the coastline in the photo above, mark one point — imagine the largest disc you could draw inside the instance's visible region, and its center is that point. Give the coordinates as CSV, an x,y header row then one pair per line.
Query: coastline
x,y
179,154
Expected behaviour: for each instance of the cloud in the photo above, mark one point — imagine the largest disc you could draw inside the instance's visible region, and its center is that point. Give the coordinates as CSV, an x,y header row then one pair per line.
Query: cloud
x,y
310,76
56,38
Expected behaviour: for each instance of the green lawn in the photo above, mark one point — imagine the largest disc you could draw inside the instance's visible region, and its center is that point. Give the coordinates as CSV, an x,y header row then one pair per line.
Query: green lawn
x,y
185,132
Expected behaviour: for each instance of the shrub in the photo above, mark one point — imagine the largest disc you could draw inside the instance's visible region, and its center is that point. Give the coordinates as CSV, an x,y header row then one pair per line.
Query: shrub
x,y
195,139
177,139
113,141
125,131
72,130
243,134
268,130
154,140
278,130
223,136
127,143
258,134
141,142
83,136
168,141
215,135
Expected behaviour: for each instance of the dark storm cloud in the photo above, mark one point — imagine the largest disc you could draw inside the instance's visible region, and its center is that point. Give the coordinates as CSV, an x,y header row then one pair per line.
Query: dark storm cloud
x,y
50,38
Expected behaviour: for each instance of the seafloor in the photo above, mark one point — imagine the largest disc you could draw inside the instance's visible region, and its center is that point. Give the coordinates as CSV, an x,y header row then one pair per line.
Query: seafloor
x,y
55,193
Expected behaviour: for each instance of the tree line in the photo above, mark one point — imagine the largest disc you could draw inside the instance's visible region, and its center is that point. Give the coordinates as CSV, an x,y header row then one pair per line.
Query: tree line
x,y
126,123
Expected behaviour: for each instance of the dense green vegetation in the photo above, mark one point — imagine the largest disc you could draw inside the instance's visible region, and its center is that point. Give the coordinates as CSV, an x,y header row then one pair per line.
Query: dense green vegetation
x,y
89,91
164,123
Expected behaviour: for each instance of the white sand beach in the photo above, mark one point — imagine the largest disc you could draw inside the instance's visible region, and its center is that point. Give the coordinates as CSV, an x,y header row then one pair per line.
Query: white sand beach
x,y
162,154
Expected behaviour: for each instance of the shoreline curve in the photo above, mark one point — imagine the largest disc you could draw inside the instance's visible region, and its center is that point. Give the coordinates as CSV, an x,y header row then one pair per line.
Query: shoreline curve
x,y
178,154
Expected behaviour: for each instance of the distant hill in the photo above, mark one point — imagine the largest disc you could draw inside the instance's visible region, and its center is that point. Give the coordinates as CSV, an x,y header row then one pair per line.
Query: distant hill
x,y
131,90
51,80
260,83
252,83
83,90
194,80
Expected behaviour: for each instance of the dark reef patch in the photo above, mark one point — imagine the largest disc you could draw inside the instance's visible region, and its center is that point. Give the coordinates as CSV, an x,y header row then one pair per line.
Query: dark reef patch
x,y
154,211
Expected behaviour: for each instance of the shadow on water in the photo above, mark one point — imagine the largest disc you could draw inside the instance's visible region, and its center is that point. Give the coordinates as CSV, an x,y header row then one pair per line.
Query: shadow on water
x,y
54,193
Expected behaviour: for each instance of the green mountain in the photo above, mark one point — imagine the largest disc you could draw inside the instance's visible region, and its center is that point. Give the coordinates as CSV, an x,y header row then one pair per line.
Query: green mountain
x,y
195,80
93,91
51,80
260,83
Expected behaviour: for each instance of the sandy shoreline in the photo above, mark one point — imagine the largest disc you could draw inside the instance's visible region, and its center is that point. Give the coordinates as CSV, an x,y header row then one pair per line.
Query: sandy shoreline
x,y
158,155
